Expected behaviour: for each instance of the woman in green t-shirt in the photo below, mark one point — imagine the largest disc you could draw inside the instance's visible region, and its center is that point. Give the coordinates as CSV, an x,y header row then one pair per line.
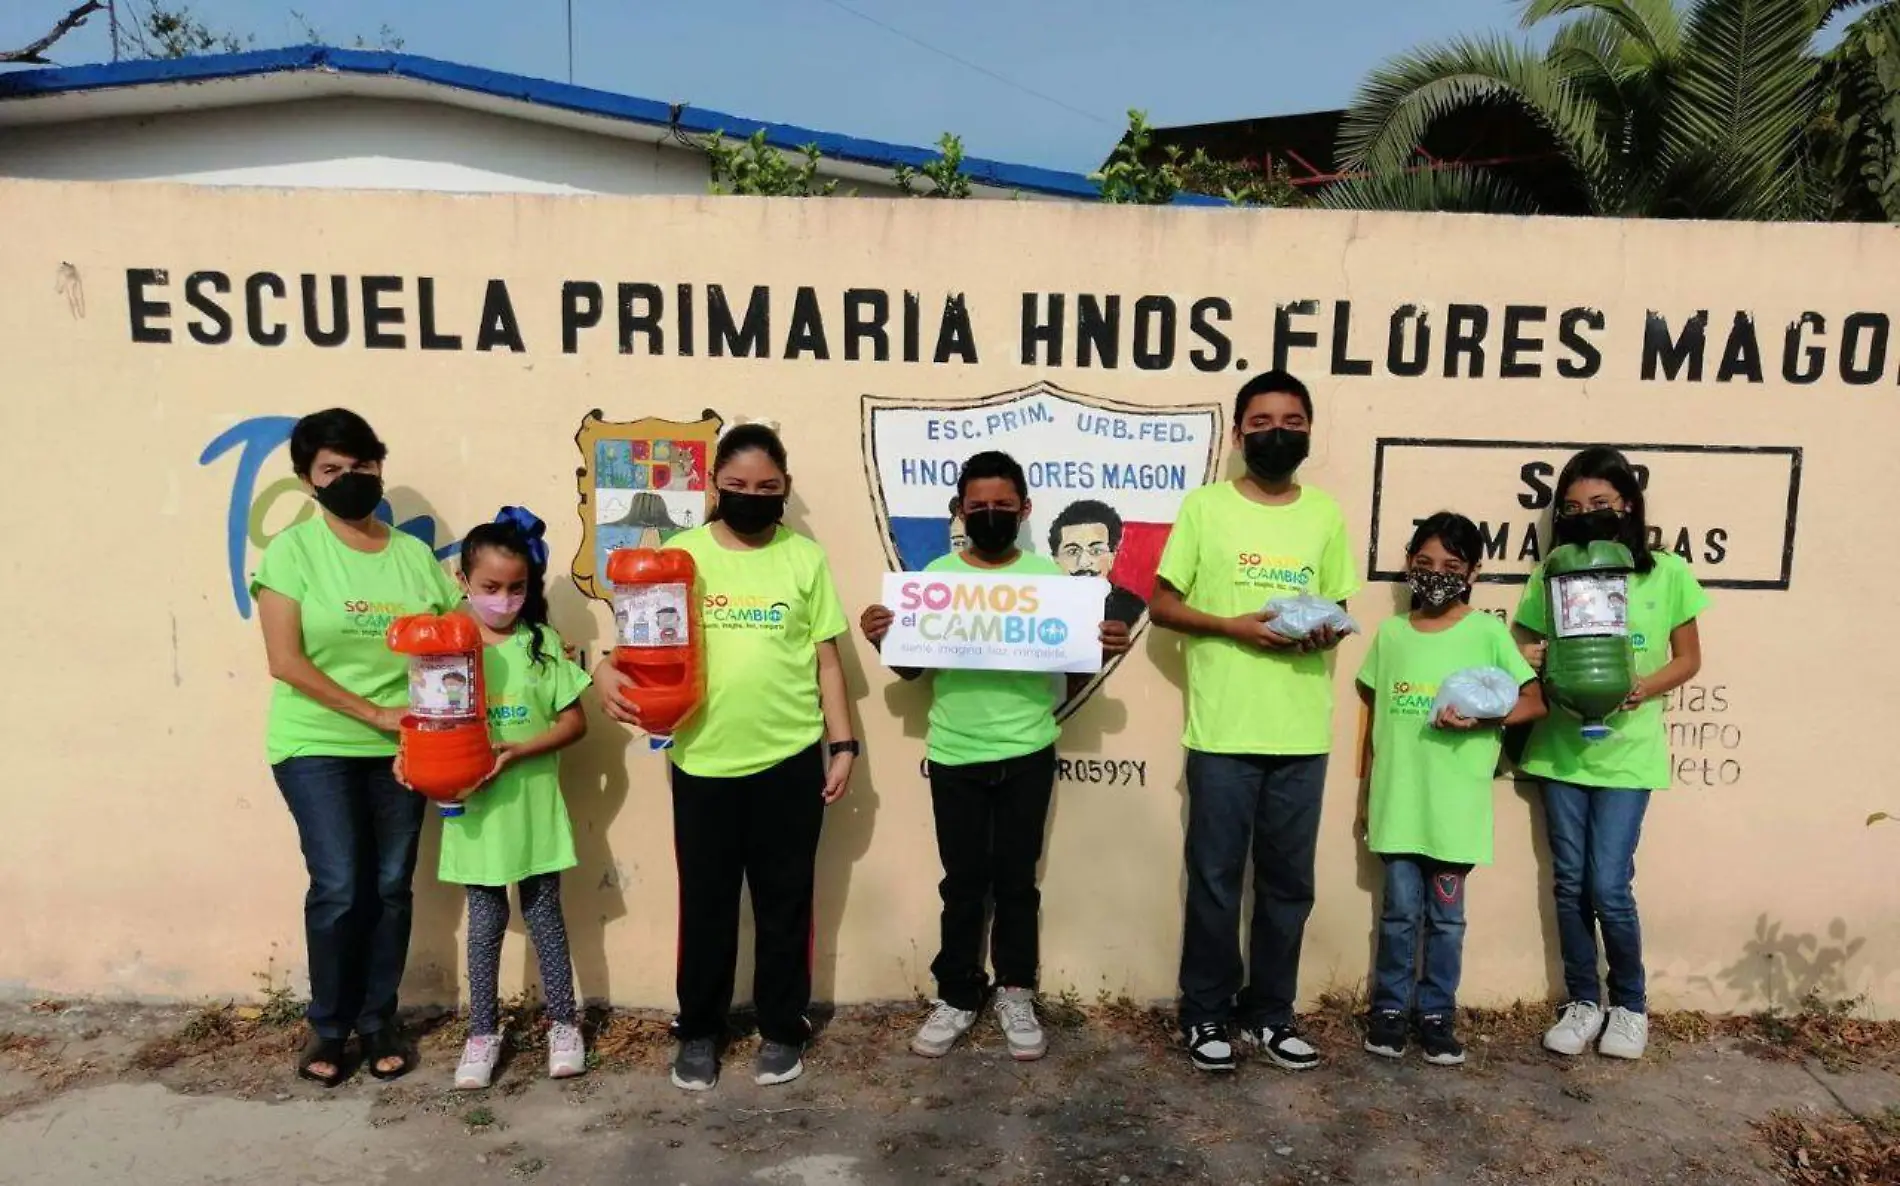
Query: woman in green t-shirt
x,y
1596,793
326,591
755,766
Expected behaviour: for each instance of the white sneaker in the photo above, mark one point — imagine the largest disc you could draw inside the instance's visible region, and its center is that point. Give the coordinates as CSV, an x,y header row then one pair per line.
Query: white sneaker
x,y
1576,1028
1016,1013
479,1056
567,1053
1626,1035
941,1029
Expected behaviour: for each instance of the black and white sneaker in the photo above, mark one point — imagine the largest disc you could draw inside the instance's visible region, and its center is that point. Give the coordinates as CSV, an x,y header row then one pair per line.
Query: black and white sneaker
x,y
1282,1045
1440,1041
1385,1034
1209,1048
778,1062
696,1065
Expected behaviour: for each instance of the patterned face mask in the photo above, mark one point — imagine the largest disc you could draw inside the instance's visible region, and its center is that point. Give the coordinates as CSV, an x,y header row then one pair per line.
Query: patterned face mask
x,y
1437,589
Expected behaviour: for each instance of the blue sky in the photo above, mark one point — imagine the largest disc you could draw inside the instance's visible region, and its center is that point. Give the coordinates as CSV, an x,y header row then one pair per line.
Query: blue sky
x,y
811,62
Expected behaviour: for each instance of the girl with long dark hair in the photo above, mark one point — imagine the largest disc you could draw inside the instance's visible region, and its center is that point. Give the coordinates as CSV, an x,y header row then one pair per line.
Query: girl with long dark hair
x,y
514,828
1596,793
755,766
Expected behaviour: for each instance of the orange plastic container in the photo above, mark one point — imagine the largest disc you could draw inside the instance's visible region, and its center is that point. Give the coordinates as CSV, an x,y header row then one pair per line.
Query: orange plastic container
x,y
445,744
658,640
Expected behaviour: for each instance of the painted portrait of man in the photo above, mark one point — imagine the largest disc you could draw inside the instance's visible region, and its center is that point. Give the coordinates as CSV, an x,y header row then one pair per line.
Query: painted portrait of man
x,y
1084,540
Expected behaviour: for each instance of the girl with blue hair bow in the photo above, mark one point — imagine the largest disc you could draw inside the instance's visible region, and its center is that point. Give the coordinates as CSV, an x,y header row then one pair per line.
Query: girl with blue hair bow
x,y
514,829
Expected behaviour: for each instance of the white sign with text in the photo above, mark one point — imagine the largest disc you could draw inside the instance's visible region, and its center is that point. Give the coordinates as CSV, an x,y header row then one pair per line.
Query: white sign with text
x,y
994,623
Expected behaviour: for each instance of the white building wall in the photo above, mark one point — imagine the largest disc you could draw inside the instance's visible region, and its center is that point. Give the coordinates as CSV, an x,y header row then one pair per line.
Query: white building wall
x,y
351,143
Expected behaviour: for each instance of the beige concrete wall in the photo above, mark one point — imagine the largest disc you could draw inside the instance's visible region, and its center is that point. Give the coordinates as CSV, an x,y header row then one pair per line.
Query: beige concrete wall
x,y
145,850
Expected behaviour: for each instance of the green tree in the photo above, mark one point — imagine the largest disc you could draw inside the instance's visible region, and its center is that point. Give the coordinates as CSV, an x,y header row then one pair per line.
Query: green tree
x,y
754,167
1858,137
1139,174
944,173
1129,179
1707,109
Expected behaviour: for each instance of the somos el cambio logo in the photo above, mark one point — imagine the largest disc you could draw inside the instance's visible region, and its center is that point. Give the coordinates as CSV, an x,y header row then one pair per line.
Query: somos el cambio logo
x,y
1106,480
1278,573
1412,697
998,613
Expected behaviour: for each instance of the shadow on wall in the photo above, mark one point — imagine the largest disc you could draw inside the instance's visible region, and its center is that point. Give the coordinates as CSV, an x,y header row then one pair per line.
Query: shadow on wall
x,y
596,782
1782,971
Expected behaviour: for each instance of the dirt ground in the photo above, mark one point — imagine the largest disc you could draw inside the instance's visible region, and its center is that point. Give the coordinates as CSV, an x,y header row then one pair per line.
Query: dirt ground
x,y
103,1093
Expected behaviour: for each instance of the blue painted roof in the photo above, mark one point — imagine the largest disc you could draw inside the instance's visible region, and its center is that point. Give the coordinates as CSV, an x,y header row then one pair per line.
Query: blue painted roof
x,y
564,96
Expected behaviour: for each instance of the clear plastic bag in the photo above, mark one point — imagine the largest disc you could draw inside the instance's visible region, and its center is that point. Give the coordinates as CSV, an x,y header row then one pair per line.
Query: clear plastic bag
x,y
1481,693
1297,617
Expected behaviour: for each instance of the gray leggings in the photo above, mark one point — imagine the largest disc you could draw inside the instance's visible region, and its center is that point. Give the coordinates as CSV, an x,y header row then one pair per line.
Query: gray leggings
x,y
488,922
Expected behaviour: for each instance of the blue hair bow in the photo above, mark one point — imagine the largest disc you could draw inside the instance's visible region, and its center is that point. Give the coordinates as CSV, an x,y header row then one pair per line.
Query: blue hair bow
x,y
531,528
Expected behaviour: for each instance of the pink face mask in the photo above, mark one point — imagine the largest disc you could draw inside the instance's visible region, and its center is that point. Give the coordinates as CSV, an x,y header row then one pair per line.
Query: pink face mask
x,y
497,610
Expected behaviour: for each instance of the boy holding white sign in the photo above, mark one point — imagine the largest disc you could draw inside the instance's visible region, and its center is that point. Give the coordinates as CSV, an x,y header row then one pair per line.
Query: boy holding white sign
x,y
992,774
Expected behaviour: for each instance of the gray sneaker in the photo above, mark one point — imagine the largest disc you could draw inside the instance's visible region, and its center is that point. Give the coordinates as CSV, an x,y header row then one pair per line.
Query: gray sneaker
x,y
778,1062
696,1065
1016,1013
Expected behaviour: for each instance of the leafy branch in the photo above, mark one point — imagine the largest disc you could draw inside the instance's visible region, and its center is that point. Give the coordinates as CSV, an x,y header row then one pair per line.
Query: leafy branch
x,y
753,167
945,173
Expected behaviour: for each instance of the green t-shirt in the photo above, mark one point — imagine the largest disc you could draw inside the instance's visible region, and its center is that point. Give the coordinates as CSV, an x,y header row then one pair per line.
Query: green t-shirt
x,y
1431,787
764,611
347,600
1636,754
1229,555
517,826
988,716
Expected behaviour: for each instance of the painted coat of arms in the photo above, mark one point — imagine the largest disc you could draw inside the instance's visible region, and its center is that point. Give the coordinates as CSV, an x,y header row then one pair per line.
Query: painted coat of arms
x,y
1106,479
641,482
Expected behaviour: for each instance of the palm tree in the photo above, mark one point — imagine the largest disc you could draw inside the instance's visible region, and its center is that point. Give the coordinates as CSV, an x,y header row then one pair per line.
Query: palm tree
x,y
1707,110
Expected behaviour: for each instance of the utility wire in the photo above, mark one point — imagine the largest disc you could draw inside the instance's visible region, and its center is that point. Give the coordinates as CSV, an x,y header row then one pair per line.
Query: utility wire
x,y
965,62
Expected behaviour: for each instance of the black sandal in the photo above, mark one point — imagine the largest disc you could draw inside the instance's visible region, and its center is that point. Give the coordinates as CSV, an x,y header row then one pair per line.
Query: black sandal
x,y
328,1050
386,1043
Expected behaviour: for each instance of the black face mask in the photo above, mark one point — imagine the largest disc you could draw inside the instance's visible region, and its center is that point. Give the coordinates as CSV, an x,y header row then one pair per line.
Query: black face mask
x,y
1436,589
1273,455
991,533
351,497
750,514
1590,526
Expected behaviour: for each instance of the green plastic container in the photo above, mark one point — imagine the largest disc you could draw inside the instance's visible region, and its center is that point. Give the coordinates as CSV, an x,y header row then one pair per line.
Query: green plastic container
x,y
1589,667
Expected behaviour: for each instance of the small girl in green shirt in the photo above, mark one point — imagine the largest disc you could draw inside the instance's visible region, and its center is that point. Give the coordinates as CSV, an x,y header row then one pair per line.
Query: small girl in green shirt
x,y
1427,813
514,829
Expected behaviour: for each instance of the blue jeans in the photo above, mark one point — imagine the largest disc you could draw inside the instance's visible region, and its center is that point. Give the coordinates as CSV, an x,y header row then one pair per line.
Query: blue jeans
x,y
1593,834
1268,804
1423,898
358,827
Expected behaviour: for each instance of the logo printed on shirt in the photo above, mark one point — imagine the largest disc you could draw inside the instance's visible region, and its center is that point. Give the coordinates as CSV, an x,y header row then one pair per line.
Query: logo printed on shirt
x,y
1285,574
507,714
1412,698
744,611
370,619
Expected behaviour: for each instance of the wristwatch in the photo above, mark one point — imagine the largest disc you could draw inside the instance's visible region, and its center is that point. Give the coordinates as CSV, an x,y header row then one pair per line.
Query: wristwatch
x,y
844,747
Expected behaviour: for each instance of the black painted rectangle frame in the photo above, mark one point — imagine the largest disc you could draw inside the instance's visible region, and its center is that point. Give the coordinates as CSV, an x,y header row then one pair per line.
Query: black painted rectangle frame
x,y
1792,452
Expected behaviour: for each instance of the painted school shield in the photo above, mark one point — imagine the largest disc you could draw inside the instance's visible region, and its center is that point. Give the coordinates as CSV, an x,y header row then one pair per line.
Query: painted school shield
x,y
1105,480
641,482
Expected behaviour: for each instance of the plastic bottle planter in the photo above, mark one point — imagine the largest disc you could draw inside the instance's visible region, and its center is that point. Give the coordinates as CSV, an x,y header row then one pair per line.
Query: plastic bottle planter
x,y
657,636
445,744
1589,667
